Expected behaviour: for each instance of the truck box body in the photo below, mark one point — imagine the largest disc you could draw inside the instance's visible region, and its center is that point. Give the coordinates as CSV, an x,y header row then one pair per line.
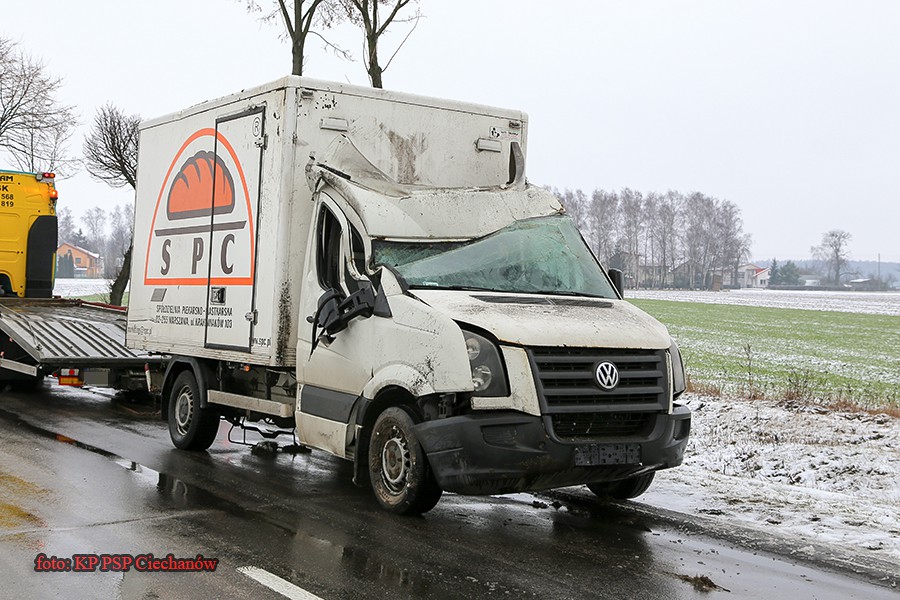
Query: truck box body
x,y
223,208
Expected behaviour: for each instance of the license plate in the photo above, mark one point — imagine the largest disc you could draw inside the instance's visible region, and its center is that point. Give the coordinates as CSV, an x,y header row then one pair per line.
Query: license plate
x,y
591,455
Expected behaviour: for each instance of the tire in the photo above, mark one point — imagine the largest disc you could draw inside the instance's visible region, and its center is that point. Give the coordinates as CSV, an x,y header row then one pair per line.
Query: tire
x,y
398,468
190,426
624,489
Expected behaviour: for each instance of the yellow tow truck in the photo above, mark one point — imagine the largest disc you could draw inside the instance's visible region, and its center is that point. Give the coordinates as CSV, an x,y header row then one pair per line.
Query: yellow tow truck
x,y
28,234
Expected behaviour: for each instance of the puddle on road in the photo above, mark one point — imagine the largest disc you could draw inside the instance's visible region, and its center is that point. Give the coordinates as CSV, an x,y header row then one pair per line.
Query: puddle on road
x,y
177,492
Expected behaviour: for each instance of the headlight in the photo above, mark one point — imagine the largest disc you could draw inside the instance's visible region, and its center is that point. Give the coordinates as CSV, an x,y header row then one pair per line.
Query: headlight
x,y
488,377
677,370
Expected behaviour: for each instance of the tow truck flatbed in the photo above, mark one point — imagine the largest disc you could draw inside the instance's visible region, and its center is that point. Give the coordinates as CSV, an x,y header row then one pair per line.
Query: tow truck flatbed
x,y
41,336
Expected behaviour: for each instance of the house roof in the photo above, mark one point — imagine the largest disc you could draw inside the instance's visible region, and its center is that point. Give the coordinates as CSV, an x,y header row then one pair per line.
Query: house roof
x,y
73,246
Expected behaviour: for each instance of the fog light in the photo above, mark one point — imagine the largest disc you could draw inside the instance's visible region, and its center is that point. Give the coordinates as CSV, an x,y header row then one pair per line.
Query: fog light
x,y
499,435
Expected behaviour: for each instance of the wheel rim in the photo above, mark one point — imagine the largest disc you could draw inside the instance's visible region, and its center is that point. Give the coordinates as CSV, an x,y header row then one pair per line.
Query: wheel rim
x,y
395,462
184,410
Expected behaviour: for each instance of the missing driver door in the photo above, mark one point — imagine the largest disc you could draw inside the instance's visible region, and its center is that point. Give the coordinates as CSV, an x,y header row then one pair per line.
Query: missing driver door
x,y
233,235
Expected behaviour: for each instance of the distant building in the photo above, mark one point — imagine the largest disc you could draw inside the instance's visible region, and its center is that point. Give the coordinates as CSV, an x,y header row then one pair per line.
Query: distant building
x,y
866,285
87,264
748,276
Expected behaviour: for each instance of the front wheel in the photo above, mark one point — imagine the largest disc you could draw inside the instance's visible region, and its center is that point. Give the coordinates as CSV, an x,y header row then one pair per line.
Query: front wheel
x,y
624,489
398,468
190,426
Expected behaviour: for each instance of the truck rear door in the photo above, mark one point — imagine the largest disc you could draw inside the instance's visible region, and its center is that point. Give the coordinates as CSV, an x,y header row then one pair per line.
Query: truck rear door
x,y
231,294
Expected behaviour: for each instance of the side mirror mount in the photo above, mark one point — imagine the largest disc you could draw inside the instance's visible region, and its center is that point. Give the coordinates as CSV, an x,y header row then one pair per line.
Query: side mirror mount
x,y
618,280
360,303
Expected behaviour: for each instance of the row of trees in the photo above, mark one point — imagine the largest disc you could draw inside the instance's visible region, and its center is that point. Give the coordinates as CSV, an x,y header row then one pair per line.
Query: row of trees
x,y
666,239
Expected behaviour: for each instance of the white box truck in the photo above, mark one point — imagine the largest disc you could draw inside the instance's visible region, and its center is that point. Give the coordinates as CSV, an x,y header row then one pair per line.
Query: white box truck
x,y
372,268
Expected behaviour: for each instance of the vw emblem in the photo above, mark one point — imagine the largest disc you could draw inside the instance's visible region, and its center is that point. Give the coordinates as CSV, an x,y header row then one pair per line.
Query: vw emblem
x,y
607,375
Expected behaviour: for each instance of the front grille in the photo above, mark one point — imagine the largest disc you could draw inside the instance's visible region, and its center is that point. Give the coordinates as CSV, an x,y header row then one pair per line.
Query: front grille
x,y
580,409
582,426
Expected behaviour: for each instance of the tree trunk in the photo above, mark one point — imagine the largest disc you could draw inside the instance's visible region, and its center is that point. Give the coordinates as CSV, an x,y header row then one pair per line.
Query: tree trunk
x,y
118,287
297,48
374,68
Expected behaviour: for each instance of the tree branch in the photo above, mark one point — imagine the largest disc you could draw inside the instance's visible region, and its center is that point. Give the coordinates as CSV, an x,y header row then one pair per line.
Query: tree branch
x,y
416,24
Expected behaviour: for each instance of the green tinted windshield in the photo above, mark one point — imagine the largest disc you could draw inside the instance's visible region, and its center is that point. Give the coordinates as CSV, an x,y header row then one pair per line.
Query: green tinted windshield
x,y
541,255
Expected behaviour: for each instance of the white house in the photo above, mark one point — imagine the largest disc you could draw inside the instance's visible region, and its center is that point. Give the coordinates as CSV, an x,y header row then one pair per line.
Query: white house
x,y
752,276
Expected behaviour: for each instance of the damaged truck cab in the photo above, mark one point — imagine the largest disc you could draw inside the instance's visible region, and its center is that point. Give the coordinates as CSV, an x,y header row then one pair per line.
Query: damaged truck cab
x,y
395,289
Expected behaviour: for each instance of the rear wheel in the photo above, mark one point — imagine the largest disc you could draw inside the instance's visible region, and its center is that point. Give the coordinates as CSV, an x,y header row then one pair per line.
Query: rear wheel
x,y
398,468
190,426
624,489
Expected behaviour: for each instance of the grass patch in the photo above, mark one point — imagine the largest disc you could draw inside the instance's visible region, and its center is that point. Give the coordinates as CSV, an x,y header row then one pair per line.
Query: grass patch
x,y
829,357
104,298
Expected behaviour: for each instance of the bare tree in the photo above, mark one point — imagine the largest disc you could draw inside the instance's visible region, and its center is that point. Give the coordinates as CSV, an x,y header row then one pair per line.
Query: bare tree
x,y
298,18
834,252
34,127
365,14
631,204
121,224
110,155
110,150
662,230
94,220
604,219
66,225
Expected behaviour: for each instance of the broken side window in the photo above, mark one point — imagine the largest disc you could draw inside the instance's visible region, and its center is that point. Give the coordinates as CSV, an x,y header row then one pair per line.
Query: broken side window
x,y
328,251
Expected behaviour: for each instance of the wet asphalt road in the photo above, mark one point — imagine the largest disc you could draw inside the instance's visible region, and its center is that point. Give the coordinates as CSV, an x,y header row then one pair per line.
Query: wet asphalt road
x,y
82,474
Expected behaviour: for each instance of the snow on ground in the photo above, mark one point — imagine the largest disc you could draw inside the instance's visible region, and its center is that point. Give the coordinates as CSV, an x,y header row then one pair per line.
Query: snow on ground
x,y
73,288
832,478
876,303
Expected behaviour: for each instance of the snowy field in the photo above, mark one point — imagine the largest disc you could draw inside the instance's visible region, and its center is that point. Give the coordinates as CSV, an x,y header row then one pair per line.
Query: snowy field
x,y
74,288
875,303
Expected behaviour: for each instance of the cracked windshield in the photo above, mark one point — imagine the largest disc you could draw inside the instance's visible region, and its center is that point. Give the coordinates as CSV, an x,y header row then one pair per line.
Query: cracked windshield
x,y
542,255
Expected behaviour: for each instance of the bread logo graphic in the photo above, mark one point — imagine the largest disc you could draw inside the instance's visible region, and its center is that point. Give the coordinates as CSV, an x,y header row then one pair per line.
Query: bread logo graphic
x,y
202,179
203,226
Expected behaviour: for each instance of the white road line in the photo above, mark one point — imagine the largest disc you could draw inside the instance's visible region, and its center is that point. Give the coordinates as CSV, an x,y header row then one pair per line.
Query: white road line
x,y
273,582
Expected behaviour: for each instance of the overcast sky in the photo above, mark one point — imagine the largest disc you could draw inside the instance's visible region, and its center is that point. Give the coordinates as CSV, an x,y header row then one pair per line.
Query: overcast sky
x,y
789,109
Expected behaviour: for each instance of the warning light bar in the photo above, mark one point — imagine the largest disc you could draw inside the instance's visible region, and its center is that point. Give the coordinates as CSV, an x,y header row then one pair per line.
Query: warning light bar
x,y
43,176
70,377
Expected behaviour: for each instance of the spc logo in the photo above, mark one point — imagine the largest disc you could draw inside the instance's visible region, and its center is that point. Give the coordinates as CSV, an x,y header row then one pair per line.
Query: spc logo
x,y
204,232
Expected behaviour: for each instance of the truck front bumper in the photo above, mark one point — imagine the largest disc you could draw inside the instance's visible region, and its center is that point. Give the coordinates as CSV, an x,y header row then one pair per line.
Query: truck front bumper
x,y
502,452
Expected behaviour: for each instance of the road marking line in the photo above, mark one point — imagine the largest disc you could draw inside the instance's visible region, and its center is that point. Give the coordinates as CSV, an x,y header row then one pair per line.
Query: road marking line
x,y
276,583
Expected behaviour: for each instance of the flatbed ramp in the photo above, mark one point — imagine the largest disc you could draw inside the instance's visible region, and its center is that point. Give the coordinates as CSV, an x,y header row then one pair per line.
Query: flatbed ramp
x,y
44,334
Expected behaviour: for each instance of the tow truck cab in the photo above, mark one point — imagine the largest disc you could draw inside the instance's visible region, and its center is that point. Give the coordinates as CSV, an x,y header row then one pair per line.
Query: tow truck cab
x,y
28,234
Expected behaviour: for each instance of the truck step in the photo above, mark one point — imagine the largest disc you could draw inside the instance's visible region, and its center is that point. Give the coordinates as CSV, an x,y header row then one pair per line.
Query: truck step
x,y
268,407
